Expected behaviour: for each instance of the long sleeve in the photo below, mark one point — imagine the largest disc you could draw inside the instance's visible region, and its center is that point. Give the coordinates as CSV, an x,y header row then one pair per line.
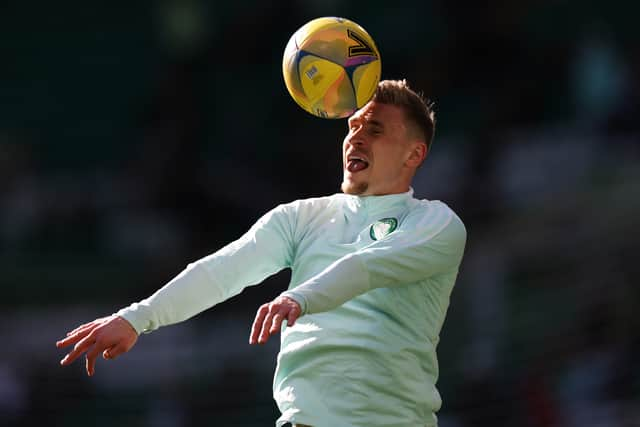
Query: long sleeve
x,y
425,244
264,250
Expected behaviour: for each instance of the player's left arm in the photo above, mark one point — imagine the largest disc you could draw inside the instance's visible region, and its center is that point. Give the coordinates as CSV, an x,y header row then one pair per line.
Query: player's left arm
x,y
425,244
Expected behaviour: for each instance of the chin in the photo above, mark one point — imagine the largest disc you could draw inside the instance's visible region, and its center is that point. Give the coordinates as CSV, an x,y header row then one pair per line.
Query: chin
x,y
354,188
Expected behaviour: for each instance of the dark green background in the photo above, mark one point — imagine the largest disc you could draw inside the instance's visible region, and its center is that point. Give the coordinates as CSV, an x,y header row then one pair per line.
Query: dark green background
x,y
138,137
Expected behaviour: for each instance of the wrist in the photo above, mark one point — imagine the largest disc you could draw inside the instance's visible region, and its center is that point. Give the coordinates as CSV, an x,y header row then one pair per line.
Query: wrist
x,y
298,298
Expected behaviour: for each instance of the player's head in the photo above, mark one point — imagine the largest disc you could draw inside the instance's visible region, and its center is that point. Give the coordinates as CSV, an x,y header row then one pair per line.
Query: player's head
x,y
418,111
388,140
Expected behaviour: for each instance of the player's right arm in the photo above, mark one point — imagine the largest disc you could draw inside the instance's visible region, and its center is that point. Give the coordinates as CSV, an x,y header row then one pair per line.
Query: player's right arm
x,y
264,250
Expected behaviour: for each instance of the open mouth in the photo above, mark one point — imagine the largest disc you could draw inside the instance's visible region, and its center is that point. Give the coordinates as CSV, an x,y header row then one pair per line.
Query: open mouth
x,y
356,164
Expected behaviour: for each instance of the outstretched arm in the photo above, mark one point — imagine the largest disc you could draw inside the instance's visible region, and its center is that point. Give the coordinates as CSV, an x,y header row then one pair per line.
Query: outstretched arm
x,y
262,251
110,336
426,244
423,246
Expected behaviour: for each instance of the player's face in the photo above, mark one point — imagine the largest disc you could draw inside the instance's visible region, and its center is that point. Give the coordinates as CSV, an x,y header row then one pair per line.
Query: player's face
x,y
378,155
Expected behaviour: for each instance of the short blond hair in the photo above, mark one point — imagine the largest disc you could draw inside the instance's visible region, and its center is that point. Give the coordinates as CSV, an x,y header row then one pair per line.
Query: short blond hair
x,y
418,110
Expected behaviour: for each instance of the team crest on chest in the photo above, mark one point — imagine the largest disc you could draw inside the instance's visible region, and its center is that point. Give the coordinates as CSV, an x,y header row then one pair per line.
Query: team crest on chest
x,y
382,228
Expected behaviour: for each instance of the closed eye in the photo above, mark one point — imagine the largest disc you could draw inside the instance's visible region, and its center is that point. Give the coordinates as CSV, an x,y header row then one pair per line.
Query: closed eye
x,y
372,127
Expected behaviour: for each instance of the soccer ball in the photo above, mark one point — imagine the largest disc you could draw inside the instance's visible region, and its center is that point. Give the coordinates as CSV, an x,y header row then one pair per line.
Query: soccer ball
x,y
331,67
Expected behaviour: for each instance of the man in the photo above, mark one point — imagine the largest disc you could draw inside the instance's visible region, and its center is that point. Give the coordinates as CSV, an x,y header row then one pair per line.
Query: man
x,y
372,272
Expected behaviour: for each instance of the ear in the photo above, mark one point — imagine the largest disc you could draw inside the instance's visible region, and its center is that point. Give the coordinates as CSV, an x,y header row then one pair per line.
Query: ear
x,y
417,154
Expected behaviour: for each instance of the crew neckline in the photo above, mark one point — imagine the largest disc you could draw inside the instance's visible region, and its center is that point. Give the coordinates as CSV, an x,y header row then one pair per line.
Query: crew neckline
x,y
357,203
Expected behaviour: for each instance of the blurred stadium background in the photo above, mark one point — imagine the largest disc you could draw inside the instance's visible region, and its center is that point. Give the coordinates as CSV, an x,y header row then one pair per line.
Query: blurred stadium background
x,y
138,137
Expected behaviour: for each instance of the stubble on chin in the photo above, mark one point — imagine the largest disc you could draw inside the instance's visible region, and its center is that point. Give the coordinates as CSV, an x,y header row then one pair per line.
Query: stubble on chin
x,y
354,188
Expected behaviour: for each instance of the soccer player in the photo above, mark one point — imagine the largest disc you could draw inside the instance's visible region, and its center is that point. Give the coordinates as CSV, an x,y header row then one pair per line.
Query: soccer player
x,y
372,272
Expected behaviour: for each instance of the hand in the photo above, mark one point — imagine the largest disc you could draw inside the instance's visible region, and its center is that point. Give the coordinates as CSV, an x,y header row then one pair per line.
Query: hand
x,y
110,336
269,318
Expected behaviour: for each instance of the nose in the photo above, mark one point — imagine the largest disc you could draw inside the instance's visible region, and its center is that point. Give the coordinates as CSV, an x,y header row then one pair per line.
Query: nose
x,y
356,138
356,142
353,143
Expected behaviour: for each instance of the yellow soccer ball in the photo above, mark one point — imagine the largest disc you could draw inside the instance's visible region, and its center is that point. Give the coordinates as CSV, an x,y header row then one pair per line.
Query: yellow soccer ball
x,y
331,67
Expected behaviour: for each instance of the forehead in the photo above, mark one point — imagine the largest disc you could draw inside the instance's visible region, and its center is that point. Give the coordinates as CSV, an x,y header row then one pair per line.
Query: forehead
x,y
384,114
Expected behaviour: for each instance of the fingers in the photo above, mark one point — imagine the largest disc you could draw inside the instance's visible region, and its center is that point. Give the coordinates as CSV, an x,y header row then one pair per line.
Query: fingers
x,y
265,332
276,322
91,357
72,339
113,352
270,316
293,315
257,323
80,347
109,336
79,333
81,327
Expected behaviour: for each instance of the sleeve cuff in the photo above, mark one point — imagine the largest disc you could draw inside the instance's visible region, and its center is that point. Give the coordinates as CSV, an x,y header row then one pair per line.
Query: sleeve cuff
x,y
297,297
135,314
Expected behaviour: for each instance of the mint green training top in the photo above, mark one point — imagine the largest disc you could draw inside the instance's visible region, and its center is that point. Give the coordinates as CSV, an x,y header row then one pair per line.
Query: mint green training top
x,y
373,276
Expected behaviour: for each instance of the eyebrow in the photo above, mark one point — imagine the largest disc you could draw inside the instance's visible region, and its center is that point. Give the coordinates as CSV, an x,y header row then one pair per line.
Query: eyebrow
x,y
371,122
